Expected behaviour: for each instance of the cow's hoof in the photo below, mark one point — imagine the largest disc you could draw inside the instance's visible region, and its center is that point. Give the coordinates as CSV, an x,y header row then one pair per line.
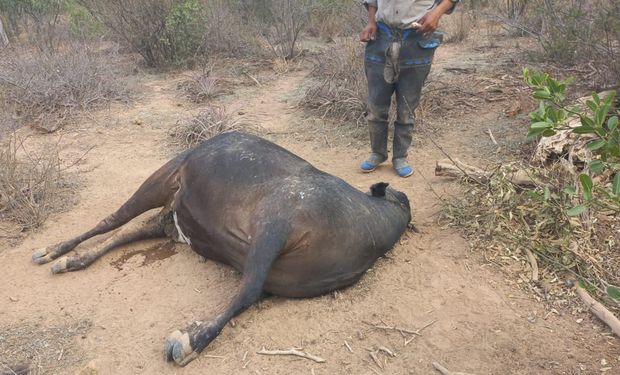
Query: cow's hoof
x,y
60,266
41,256
178,348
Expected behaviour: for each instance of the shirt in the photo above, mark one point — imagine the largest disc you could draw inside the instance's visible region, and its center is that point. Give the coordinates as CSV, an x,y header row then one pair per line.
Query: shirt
x,y
401,13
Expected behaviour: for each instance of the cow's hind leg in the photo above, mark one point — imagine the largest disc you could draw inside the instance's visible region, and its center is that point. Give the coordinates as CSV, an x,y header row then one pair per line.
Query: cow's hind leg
x,y
184,346
154,228
155,192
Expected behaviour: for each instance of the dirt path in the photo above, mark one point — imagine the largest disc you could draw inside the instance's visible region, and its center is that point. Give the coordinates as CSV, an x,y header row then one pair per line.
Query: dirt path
x,y
131,299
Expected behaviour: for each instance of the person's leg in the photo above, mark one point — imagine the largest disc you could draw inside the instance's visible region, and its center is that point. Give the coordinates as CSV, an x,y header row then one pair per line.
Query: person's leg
x,y
415,66
379,100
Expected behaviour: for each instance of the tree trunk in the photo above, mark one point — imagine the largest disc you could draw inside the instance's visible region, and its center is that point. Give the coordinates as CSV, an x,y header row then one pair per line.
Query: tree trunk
x,y
4,40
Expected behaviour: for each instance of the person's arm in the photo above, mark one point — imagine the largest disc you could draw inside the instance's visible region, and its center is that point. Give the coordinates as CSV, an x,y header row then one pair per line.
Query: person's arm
x,y
430,21
370,31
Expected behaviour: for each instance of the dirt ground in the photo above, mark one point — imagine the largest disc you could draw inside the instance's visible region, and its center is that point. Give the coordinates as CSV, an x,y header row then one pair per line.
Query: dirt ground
x,y
113,317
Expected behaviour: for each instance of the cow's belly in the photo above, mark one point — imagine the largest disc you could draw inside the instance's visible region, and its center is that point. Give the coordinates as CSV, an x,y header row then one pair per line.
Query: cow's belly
x,y
316,271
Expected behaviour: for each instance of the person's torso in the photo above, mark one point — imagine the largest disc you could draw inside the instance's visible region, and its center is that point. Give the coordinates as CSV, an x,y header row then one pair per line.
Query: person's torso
x,y
401,13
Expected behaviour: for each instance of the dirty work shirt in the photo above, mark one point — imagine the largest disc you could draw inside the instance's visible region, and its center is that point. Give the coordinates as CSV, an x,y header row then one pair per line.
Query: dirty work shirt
x,y
401,13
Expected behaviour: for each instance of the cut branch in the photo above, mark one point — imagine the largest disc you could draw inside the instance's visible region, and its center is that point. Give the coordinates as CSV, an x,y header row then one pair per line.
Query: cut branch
x,y
293,351
458,169
599,310
445,371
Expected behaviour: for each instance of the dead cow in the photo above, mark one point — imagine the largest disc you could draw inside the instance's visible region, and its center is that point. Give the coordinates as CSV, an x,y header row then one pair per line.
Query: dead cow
x,y
291,229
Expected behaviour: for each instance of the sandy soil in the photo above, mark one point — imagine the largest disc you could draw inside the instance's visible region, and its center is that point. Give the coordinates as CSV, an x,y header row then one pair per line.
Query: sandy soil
x,y
114,316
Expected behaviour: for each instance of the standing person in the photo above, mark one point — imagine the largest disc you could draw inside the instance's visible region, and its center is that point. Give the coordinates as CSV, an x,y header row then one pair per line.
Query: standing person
x,y
401,41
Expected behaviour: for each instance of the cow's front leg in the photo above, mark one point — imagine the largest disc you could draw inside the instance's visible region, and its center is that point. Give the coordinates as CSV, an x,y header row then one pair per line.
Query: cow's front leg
x,y
183,346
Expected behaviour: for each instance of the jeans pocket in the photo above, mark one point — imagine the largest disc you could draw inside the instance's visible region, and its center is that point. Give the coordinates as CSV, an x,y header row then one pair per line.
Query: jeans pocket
x,y
419,51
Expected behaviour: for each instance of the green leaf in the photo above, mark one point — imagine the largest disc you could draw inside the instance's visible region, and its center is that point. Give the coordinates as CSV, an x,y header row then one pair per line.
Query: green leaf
x,y
587,121
570,190
548,133
613,292
586,184
576,210
615,186
540,125
600,115
595,145
542,94
591,105
584,130
597,166
612,123
547,193
597,99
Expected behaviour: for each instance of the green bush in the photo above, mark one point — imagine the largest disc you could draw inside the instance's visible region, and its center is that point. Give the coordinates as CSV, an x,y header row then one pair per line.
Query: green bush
x,y
162,32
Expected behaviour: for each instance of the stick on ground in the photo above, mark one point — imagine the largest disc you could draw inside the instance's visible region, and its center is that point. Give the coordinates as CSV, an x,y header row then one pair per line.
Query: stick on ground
x,y
599,310
292,351
445,371
533,264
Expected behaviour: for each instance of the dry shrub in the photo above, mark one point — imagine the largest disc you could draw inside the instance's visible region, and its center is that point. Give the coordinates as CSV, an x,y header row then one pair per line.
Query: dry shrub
x,y
205,125
569,31
338,88
47,88
331,19
233,32
458,26
506,222
201,86
33,184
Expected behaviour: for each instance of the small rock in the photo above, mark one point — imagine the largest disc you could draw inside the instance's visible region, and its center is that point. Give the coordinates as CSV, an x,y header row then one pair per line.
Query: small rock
x,y
13,299
578,321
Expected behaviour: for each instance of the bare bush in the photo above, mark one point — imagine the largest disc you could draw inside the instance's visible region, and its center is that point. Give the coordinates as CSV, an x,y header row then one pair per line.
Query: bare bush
x,y
205,125
288,19
330,19
338,88
233,31
201,86
47,88
32,184
458,26
569,32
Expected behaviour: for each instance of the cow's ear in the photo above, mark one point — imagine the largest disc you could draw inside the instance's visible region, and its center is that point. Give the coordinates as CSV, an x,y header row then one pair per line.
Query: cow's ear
x,y
378,189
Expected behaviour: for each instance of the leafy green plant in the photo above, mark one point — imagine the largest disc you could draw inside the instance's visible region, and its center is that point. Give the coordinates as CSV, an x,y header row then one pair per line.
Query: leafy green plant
x,y
185,27
598,121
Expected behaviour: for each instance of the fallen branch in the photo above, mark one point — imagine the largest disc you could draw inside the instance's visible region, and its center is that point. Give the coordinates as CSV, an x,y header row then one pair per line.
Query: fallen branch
x,y
402,330
293,351
533,264
599,310
458,169
445,371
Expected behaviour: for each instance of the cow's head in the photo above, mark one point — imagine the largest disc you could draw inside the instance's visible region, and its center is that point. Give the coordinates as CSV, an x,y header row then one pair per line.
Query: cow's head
x,y
382,190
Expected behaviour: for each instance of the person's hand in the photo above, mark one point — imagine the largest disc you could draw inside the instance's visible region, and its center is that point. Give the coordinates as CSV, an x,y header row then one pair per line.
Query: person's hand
x,y
429,22
369,33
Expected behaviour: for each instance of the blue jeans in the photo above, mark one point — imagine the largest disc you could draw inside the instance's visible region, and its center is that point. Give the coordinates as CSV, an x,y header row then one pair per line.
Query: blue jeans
x,y
412,67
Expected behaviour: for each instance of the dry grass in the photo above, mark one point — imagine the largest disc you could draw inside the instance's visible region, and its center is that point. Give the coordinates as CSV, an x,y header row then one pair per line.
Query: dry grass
x,y
33,184
46,350
47,88
338,88
207,124
458,27
201,86
506,222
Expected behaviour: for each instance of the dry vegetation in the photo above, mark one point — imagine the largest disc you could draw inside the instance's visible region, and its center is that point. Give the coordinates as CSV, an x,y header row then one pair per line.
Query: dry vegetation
x,y
47,88
512,224
207,124
41,350
33,182
338,87
64,65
